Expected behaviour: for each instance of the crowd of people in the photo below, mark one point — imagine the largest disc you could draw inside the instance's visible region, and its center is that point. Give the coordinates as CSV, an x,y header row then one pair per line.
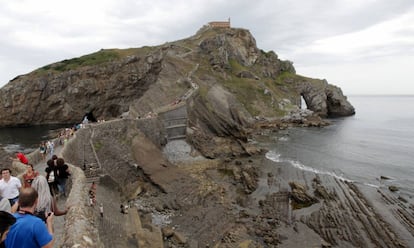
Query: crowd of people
x,y
28,203
47,148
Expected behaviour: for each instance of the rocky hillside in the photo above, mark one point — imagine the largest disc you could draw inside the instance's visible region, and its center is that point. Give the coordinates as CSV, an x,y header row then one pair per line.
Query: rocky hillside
x,y
233,75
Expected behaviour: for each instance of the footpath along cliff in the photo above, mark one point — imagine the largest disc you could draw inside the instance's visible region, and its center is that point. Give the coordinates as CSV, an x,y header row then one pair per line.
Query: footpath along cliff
x,y
178,145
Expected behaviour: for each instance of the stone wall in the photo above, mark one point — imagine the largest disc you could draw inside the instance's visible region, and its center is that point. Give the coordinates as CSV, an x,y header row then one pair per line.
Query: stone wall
x,y
73,150
175,122
154,130
80,229
220,24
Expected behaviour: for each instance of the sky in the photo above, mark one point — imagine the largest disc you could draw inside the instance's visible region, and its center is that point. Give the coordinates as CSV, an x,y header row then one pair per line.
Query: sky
x,y
362,46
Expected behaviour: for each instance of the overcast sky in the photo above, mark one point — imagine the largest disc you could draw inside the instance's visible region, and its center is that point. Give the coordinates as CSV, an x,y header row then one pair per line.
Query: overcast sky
x,y
362,46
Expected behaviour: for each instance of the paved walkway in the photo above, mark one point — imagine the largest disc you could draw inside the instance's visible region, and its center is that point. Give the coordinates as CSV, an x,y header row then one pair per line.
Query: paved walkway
x,y
59,221
115,229
110,227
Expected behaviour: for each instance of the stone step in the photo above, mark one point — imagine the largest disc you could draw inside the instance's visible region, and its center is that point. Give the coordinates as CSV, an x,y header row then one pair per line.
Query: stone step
x,y
177,137
176,126
92,179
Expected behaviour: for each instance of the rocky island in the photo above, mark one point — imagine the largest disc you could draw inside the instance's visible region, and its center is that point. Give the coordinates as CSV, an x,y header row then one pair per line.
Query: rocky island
x,y
178,144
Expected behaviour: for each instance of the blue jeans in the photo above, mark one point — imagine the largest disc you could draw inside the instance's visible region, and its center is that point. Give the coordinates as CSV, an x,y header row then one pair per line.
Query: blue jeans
x,y
61,183
13,200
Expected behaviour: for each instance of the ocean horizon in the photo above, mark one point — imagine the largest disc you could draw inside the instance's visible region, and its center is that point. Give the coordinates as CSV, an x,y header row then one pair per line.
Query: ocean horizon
x,y
376,143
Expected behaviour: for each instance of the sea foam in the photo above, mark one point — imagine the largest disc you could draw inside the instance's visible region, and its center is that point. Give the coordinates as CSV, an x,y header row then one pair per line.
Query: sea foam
x,y
276,157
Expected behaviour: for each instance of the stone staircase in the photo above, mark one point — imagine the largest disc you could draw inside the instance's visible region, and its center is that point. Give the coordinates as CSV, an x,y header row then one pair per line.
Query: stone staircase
x,y
175,117
175,123
90,163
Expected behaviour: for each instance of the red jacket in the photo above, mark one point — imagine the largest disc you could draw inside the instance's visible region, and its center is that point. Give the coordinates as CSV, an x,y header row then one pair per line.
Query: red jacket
x,y
22,158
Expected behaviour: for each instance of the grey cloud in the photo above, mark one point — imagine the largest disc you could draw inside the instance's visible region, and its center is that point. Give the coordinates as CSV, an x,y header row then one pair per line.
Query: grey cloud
x,y
286,27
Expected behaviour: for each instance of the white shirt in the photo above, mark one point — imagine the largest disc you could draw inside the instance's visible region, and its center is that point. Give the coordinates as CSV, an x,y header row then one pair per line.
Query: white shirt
x,y
5,205
50,144
11,188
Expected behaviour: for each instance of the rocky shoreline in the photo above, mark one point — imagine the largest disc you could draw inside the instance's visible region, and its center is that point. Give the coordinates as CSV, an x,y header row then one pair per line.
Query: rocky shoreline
x,y
236,201
256,202
250,201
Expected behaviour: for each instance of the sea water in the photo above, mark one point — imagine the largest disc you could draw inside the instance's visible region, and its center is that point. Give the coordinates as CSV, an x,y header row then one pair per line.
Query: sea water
x,y
26,139
377,142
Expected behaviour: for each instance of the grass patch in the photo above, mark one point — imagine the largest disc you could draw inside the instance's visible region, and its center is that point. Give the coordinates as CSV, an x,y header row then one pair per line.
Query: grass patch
x,y
97,145
285,78
97,58
236,67
246,91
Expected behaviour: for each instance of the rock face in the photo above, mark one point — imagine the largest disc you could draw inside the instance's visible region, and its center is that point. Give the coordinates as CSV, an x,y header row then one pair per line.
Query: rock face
x,y
65,97
234,81
300,197
235,44
325,100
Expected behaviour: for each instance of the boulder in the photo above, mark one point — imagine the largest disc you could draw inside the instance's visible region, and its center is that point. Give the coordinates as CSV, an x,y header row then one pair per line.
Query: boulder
x,y
300,197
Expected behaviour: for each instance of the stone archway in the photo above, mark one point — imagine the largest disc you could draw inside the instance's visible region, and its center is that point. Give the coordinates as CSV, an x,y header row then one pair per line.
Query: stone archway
x,y
303,103
325,99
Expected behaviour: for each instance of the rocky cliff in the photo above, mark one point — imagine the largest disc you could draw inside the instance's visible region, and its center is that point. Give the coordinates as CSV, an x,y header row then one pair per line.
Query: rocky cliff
x,y
236,83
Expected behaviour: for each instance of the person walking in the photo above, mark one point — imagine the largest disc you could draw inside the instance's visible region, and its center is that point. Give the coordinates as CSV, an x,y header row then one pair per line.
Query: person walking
x,y
101,210
9,186
43,150
63,175
46,203
50,147
51,176
29,175
29,230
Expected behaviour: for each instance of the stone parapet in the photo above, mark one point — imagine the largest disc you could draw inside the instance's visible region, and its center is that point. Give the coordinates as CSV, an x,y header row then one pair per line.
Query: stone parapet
x,y
80,230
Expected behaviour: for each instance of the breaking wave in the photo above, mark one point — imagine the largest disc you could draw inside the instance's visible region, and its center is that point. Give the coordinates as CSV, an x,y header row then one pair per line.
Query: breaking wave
x,y
276,157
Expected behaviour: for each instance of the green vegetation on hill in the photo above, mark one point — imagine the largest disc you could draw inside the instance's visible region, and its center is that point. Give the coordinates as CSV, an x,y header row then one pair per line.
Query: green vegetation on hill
x,y
259,97
93,59
97,58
